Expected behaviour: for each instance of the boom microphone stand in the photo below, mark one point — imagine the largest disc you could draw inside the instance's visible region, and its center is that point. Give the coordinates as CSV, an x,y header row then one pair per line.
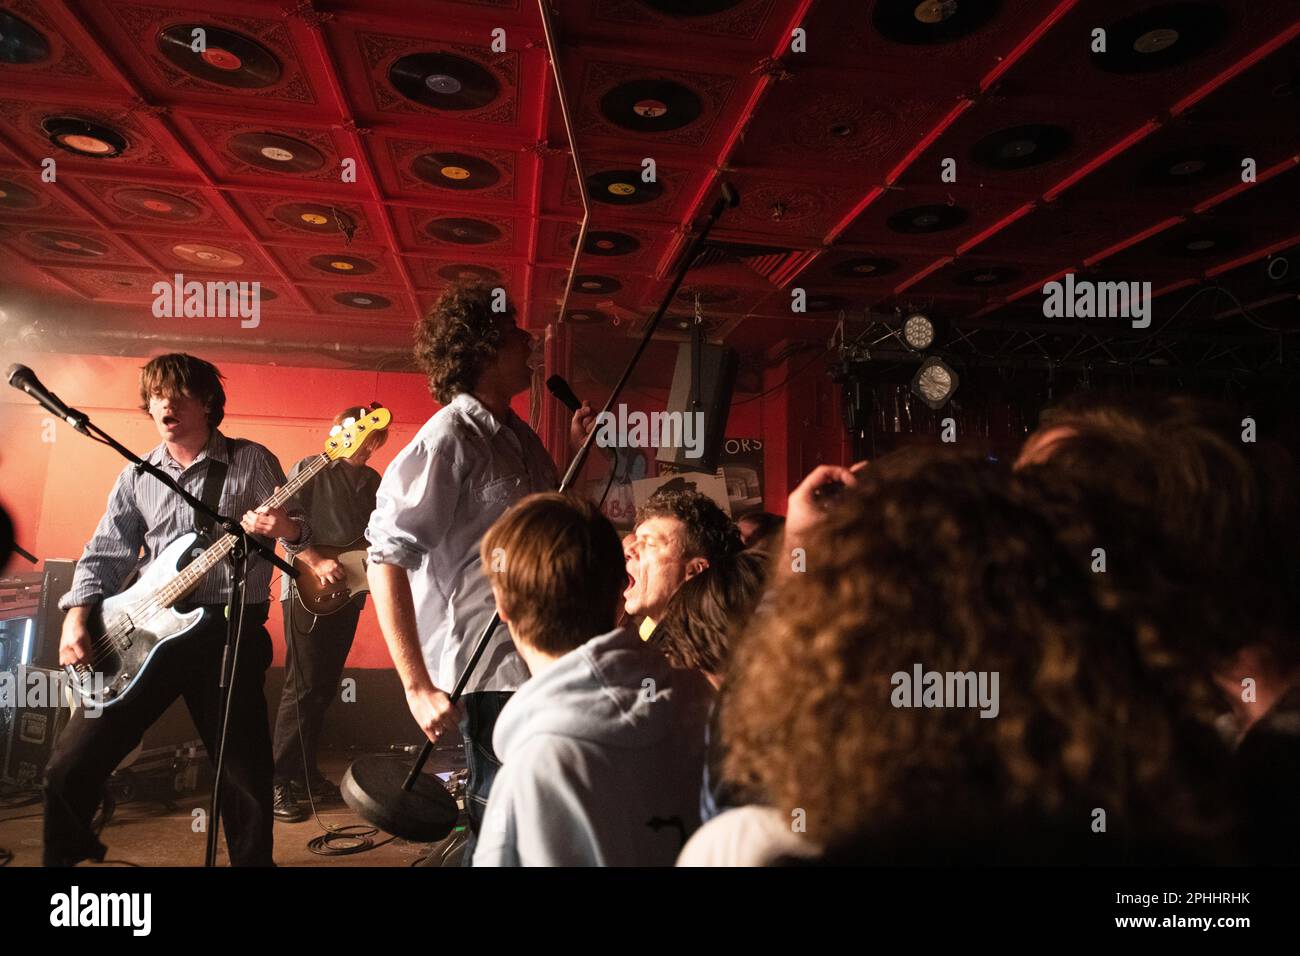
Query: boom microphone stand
x,y
417,808
23,379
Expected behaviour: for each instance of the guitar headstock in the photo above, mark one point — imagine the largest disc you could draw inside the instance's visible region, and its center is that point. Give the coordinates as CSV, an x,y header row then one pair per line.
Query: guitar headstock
x,y
355,433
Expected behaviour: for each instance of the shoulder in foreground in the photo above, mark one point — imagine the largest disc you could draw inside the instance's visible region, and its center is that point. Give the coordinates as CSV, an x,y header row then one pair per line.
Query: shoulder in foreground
x,y
746,836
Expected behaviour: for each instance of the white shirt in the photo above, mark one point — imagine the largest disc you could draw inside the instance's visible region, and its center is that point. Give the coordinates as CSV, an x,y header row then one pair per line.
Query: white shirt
x,y
437,499
746,836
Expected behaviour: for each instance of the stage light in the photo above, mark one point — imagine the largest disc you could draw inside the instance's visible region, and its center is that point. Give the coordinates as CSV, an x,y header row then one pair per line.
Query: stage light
x,y
918,331
934,382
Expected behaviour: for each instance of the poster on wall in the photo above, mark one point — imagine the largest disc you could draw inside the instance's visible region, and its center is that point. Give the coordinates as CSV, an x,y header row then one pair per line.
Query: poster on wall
x,y
619,504
740,466
712,485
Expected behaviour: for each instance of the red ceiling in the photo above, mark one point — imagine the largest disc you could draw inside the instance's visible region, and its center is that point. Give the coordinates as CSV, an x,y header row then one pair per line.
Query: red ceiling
x,y
826,147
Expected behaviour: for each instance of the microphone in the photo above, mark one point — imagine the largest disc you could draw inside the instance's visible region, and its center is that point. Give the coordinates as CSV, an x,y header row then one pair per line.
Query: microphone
x,y
558,387
25,380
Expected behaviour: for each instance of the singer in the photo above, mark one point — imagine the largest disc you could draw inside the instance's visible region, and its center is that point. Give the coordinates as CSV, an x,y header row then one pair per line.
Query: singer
x,y
470,462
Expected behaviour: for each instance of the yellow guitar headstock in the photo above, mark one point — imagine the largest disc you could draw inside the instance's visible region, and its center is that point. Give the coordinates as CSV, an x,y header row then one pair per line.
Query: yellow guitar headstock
x,y
355,433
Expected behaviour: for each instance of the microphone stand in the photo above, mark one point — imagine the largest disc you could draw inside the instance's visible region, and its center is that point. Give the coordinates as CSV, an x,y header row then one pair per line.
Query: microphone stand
x,y
727,200
238,558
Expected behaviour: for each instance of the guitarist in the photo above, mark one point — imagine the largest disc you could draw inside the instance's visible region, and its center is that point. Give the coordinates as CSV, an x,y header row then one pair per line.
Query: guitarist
x,y
184,397
337,505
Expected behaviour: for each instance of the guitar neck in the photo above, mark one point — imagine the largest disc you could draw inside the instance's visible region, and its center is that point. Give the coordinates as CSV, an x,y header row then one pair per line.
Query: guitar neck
x,y
193,573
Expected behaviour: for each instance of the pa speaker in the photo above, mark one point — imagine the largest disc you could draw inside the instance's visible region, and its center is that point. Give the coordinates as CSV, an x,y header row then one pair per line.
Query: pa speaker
x,y
701,393
49,623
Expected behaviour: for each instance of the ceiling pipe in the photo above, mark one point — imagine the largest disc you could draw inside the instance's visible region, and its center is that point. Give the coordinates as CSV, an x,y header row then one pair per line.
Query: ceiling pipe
x,y
553,51
39,340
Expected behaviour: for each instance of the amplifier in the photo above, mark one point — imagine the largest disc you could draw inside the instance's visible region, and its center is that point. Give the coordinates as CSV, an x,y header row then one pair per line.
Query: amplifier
x,y
32,718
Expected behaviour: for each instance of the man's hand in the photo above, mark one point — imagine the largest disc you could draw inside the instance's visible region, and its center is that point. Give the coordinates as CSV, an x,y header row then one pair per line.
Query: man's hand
x,y
805,507
327,570
433,711
583,421
271,523
74,644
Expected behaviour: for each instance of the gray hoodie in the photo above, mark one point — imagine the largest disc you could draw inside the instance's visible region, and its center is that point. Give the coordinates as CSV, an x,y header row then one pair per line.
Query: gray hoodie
x,y
602,756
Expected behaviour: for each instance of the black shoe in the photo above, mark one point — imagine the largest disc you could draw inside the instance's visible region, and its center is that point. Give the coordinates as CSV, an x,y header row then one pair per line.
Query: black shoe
x,y
323,792
284,807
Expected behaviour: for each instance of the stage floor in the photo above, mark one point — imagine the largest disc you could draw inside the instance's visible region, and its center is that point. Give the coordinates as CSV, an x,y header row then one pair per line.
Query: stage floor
x,y
148,834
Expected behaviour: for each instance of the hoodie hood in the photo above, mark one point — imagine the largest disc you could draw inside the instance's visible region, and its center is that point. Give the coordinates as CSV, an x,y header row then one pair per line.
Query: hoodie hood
x,y
609,691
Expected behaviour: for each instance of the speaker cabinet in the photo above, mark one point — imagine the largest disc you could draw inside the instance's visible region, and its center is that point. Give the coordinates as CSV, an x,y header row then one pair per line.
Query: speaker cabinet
x,y
703,381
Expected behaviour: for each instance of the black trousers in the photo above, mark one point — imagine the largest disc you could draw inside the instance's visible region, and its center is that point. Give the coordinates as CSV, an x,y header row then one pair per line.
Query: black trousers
x,y
480,712
90,748
316,649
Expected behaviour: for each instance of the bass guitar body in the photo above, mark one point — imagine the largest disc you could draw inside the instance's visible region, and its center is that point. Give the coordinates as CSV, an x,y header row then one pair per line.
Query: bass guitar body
x,y
129,629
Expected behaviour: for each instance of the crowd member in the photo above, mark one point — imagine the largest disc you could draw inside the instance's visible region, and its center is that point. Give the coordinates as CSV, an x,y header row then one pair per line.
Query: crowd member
x,y
760,530
677,535
938,565
602,749
337,503
1224,583
462,470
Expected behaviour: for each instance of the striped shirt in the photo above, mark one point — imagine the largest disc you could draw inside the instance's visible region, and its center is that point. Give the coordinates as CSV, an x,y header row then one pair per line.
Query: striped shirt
x,y
145,515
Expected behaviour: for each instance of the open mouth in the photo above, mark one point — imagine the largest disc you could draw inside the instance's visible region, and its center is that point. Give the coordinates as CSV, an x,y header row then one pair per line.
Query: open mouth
x,y
170,421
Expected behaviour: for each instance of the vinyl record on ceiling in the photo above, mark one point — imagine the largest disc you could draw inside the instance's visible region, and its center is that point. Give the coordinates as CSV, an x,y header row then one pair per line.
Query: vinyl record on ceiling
x,y
14,196
864,267
935,217
156,204
455,171
607,243
20,42
203,254
622,187
68,244
931,21
341,265
1190,164
228,58
986,276
83,137
362,300
1161,36
443,81
826,303
690,8
1200,244
279,154
465,232
467,273
651,106
596,285
585,315
1019,147
314,217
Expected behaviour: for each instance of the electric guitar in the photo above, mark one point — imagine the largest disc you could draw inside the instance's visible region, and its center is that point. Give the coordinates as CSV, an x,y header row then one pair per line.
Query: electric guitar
x,y
128,630
321,599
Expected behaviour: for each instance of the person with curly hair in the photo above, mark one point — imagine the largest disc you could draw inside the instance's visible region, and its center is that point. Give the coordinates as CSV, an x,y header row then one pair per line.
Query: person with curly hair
x,y
943,565
465,467
679,532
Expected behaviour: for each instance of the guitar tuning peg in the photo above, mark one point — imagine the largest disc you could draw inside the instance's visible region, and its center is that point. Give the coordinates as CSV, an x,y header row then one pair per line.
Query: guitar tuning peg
x,y
335,430
349,422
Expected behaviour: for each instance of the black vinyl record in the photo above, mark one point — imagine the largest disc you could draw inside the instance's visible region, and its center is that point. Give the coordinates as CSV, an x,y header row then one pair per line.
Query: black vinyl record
x,y
370,301
585,315
1180,167
936,217
466,273
1020,147
14,196
596,285
341,265
607,243
651,106
1200,244
622,187
455,171
68,244
444,81
279,154
83,137
826,303
986,276
931,21
203,254
157,204
465,232
864,267
1162,36
313,217
228,58
20,42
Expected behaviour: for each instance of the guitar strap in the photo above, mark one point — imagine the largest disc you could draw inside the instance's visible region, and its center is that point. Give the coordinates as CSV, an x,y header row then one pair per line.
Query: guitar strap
x,y
213,483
